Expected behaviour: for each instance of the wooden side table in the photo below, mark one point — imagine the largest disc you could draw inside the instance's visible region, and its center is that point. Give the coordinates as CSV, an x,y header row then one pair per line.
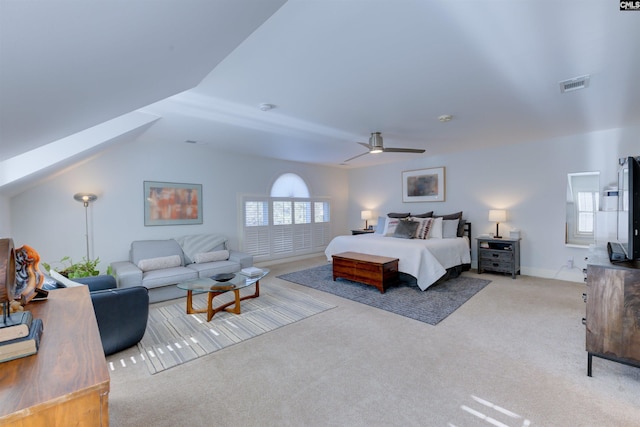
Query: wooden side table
x,y
499,255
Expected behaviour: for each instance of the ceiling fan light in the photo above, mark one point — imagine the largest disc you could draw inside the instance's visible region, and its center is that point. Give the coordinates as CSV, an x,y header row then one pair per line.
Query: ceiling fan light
x,y
375,142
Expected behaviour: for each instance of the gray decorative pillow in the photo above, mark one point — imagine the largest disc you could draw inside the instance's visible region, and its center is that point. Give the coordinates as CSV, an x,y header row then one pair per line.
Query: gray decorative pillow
x,y
406,229
461,225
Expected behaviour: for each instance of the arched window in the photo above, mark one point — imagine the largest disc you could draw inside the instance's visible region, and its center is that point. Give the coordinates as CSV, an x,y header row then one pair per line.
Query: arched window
x,y
286,223
289,185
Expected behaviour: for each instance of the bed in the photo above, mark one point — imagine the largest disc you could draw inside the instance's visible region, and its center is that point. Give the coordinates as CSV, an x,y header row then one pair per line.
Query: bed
x,y
428,260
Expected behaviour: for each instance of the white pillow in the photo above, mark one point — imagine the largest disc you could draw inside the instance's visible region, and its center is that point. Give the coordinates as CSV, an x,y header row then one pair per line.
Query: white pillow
x,y
159,263
390,226
436,229
60,278
450,228
211,256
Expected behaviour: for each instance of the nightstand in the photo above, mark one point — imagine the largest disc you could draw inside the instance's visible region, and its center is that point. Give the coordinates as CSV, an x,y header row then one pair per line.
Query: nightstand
x,y
361,231
499,255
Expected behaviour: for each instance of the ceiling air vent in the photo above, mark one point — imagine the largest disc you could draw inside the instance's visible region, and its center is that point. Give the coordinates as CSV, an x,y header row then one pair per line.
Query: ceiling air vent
x,y
574,84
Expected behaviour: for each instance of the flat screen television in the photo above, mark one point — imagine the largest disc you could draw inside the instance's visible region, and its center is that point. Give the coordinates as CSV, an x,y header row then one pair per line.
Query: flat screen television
x,y
629,207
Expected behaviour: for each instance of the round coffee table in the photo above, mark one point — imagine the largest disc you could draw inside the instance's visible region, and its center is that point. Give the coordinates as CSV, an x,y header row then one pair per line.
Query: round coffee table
x,y
216,287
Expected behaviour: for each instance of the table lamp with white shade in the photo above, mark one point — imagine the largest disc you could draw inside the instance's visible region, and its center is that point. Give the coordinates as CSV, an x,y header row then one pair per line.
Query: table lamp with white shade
x,y
498,216
366,216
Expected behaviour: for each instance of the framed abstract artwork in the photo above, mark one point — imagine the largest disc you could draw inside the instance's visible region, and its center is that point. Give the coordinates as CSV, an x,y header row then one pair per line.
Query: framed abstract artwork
x,y
171,203
423,185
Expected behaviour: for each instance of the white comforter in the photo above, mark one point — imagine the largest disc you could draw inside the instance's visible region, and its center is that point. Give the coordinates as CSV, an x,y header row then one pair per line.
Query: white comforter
x,y
424,259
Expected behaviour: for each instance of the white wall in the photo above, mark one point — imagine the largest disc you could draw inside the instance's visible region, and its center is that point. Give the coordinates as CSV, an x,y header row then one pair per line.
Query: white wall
x,y
47,217
529,180
5,217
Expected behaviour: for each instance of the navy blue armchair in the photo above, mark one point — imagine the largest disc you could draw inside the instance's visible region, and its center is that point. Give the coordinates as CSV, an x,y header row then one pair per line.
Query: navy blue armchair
x,y
121,313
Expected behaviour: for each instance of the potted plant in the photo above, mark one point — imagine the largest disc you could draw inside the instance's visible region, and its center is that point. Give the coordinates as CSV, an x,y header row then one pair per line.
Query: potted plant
x,y
73,270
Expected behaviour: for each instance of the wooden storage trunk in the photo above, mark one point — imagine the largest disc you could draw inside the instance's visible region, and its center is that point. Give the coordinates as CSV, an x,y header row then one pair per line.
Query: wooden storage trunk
x,y
372,270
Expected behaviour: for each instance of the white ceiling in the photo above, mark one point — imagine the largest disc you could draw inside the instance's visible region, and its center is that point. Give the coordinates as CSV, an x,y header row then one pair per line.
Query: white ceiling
x,y
335,70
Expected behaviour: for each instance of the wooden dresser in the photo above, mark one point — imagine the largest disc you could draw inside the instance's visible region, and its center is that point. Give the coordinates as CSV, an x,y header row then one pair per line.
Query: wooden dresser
x,y
67,382
372,270
613,314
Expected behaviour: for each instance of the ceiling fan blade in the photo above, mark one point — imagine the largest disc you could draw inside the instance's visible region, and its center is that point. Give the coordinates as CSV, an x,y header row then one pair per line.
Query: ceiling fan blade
x,y
365,145
355,157
403,150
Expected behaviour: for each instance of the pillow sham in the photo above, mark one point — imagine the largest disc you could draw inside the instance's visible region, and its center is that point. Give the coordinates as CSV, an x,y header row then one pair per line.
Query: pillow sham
x,y
436,229
398,215
450,228
461,225
406,229
221,255
159,263
424,215
457,215
380,225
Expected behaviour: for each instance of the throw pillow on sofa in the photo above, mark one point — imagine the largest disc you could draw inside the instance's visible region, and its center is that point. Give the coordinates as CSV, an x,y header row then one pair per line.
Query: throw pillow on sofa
x,y
221,255
159,263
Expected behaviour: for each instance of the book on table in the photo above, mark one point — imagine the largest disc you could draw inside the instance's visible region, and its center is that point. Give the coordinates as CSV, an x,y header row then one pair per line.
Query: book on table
x,y
251,271
25,346
15,325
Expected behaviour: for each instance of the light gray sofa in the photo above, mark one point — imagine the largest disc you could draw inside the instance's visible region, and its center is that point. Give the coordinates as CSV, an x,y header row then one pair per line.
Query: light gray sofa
x,y
159,265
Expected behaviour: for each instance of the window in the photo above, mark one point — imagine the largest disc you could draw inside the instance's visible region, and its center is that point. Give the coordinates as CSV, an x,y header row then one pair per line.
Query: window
x,y
582,206
587,207
288,223
289,185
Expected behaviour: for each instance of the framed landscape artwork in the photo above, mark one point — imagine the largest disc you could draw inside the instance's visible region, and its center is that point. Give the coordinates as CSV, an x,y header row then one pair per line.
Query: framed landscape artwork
x,y
423,185
170,203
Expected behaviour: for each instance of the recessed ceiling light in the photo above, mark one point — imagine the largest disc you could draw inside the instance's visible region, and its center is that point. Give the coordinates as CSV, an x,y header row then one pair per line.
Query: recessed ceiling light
x,y
267,107
191,141
445,118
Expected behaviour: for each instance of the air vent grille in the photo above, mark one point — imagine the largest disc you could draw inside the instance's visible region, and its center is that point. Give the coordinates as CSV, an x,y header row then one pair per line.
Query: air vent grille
x,y
574,84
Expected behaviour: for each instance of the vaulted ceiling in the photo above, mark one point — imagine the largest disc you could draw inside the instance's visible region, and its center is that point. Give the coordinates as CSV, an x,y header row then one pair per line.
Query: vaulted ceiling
x,y
78,76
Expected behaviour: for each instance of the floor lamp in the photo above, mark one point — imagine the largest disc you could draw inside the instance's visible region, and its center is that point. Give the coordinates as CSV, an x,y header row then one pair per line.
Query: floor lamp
x,y
86,198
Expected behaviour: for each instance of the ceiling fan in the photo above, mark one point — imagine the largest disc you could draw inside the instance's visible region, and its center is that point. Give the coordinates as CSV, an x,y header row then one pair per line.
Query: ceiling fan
x,y
375,146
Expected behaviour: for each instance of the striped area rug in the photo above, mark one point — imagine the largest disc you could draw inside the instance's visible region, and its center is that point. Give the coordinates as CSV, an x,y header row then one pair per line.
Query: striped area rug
x,y
174,337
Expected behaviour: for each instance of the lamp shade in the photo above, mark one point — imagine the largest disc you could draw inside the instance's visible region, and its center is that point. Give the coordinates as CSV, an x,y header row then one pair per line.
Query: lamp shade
x,y
497,215
366,215
85,197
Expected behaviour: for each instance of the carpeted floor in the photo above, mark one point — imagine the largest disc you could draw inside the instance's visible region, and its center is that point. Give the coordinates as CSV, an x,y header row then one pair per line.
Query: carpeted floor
x,y
174,337
404,298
